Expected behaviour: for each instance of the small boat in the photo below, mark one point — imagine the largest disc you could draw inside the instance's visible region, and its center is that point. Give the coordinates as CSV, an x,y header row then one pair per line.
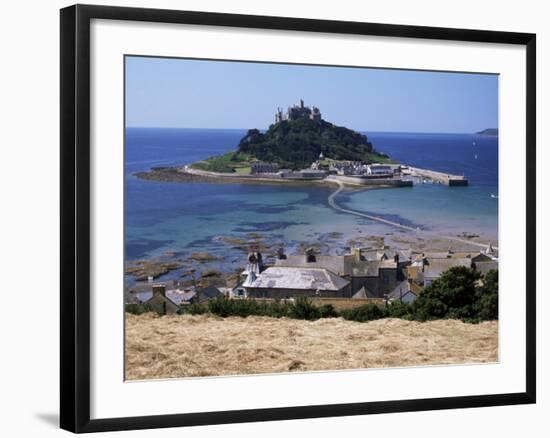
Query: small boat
x,y
494,196
475,156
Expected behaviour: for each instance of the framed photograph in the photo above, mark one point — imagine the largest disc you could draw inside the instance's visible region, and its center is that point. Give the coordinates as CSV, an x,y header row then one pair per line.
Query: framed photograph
x,y
268,218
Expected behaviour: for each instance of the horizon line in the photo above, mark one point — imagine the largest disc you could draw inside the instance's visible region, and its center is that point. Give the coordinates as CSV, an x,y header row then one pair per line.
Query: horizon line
x,y
265,129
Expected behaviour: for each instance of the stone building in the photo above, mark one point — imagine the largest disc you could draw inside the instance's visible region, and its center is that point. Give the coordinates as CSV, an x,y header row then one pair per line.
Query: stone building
x,y
364,273
427,267
406,292
339,265
261,167
298,111
161,302
379,170
377,271
171,301
291,282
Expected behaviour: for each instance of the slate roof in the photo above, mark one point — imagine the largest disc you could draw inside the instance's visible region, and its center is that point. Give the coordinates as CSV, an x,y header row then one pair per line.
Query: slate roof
x,y
339,265
209,293
278,277
177,296
180,297
141,297
435,267
402,289
371,268
482,258
381,254
450,255
399,290
360,294
485,267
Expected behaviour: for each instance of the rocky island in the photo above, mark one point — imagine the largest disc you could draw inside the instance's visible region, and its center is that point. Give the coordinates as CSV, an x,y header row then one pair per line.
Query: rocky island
x,y
300,146
296,141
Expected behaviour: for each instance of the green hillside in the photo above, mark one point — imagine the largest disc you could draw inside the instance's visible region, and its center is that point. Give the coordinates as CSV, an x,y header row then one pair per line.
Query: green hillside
x,y
297,143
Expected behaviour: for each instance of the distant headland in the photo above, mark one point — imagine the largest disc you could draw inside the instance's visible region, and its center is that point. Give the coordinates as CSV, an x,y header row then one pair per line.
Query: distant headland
x,y
489,131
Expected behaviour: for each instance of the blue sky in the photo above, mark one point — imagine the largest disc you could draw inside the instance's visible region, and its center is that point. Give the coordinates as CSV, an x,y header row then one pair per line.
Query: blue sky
x,y
182,93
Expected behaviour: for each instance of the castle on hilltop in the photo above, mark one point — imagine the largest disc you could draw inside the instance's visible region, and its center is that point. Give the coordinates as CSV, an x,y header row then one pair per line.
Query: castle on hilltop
x,y
298,111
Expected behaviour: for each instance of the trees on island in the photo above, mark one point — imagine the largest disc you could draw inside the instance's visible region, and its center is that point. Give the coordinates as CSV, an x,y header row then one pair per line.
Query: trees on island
x,y
296,144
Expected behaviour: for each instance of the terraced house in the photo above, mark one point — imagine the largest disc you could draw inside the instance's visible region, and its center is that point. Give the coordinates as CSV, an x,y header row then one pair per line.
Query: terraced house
x,y
364,273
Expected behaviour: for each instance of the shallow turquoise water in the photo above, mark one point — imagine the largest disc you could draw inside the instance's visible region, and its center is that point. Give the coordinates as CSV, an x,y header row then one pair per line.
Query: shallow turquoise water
x,y
183,218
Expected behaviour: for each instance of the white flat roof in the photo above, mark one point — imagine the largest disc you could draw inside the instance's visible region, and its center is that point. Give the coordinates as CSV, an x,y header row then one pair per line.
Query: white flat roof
x,y
298,278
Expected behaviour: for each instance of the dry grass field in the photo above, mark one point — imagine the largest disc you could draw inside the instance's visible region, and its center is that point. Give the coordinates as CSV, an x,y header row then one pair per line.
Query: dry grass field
x,y
206,345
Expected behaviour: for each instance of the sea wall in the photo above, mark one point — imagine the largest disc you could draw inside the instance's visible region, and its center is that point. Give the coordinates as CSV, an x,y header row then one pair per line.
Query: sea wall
x,y
355,180
440,177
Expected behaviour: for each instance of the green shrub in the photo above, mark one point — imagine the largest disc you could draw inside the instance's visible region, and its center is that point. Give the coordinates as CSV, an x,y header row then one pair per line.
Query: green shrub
x,y
194,309
364,313
275,309
328,311
138,309
221,163
303,308
486,305
225,307
398,309
457,295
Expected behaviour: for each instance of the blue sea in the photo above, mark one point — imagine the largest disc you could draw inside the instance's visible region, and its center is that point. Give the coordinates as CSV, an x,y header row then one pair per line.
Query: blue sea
x,y
172,220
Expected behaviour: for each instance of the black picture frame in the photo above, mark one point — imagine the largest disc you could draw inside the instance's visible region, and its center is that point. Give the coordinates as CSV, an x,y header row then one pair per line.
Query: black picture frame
x,y
75,217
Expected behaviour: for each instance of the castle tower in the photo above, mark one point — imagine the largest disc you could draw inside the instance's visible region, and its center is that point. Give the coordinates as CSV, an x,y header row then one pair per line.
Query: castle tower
x,y
279,115
296,111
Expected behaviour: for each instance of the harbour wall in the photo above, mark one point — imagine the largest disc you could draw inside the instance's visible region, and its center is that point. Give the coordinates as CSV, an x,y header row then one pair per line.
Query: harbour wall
x,y
440,177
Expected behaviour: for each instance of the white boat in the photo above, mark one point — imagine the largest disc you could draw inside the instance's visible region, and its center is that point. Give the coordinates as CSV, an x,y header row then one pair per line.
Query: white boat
x,y
494,196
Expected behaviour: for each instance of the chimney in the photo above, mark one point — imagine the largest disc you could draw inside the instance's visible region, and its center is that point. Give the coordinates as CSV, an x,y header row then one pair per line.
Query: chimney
x,y
159,289
356,253
281,253
310,255
396,258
